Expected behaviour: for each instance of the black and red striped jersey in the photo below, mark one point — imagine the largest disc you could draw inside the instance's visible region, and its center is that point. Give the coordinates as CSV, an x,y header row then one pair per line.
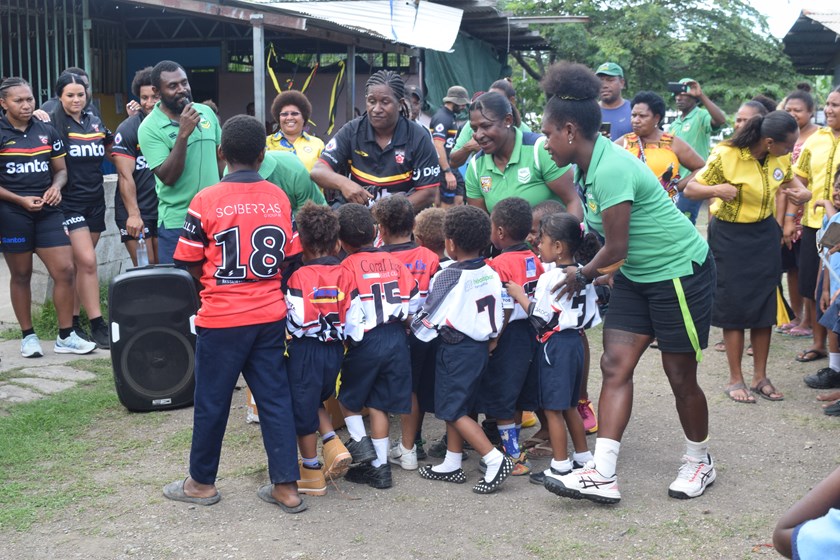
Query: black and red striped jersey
x,y
517,264
127,145
241,230
386,287
321,295
86,141
421,262
25,156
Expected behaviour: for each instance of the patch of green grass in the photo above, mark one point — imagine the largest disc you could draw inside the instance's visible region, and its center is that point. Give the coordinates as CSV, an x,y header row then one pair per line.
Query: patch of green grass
x,y
45,320
43,459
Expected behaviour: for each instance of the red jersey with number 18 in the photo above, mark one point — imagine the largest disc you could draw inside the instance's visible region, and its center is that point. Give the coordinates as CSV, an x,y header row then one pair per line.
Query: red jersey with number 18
x,y
241,229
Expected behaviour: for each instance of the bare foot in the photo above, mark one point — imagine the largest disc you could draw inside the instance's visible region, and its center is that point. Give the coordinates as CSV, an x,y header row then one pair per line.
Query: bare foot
x,y
287,494
832,396
195,489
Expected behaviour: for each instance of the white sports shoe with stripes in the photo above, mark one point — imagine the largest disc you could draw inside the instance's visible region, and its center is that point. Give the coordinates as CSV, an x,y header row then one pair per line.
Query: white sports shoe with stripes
x,y
586,483
693,478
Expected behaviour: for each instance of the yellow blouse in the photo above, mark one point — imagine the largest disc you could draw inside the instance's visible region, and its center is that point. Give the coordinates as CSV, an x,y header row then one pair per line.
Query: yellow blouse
x,y
307,147
757,183
818,162
658,155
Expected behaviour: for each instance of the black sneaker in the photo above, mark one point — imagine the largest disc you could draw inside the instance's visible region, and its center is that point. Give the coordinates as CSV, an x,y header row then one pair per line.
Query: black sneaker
x,y
538,477
438,450
826,378
832,409
362,451
100,336
421,452
375,477
81,332
491,430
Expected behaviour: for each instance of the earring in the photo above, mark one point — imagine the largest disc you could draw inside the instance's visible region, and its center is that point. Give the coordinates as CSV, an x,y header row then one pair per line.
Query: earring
x,y
570,139
508,126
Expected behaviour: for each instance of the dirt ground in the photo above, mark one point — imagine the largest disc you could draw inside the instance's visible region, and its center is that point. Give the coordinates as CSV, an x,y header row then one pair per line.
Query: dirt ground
x,y
768,455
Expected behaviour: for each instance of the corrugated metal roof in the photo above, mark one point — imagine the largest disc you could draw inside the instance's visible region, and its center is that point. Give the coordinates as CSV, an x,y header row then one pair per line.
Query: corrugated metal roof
x,y
813,42
417,23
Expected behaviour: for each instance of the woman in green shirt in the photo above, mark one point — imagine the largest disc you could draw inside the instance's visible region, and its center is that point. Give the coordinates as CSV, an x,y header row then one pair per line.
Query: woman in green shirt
x,y
663,278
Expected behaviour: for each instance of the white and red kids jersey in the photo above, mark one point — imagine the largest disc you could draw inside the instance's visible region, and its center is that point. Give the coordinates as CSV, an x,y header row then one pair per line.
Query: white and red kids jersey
x,y
321,295
464,297
386,287
241,230
549,315
421,262
517,264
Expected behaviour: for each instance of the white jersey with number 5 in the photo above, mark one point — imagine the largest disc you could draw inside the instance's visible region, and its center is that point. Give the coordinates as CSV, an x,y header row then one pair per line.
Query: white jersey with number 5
x,y
549,315
465,297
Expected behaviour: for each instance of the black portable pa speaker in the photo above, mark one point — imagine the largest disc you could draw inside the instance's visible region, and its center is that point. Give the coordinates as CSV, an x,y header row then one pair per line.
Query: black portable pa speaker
x,y
152,313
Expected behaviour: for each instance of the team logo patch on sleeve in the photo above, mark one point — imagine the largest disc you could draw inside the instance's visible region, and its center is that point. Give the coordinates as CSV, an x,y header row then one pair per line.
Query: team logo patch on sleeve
x,y
330,145
118,138
439,127
486,183
778,174
399,156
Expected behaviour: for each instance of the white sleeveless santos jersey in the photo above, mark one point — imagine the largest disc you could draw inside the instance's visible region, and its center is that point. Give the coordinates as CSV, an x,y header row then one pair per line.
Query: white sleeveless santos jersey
x,y
465,297
549,316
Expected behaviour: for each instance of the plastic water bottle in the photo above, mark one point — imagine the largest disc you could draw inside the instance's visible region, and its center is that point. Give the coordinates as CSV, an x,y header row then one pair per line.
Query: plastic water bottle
x,y
142,252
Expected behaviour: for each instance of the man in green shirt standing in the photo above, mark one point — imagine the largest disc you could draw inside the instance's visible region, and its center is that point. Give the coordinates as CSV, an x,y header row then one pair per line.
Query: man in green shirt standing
x,y
179,140
699,118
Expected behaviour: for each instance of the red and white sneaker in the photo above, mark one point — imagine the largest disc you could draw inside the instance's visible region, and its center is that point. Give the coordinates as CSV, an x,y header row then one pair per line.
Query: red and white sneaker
x,y
693,478
587,413
586,483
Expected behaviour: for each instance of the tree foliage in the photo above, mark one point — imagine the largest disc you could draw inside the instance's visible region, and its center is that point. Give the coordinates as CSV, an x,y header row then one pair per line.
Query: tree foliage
x,y
724,44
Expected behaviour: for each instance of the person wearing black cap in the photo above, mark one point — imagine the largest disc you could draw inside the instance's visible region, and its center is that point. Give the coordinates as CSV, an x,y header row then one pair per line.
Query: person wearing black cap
x,y
444,132
614,108
414,96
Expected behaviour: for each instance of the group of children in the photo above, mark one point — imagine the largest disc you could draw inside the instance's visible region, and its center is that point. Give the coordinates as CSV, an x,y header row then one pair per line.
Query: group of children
x,y
414,317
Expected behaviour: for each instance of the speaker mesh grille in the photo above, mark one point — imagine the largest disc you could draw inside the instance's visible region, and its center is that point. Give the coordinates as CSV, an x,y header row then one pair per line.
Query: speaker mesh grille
x,y
158,362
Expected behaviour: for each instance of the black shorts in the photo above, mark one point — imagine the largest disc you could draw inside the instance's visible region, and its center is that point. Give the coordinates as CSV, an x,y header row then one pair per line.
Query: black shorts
x,y
79,215
423,355
458,373
22,231
560,370
790,257
655,309
150,220
809,263
313,368
507,371
447,196
376,372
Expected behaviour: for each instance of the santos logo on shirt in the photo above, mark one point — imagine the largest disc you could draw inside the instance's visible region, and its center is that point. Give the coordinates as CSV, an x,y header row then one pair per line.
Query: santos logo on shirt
x,y
87,150
28,167
140,163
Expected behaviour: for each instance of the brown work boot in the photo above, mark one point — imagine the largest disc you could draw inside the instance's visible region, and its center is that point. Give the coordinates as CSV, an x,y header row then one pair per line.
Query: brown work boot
x,y
311,481
336,459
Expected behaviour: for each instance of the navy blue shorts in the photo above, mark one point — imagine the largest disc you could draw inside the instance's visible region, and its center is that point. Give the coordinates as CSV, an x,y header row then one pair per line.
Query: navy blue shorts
x,y
559,366
377,371
507,370
423,356
458,372
22,231
79,215
313,367
529,397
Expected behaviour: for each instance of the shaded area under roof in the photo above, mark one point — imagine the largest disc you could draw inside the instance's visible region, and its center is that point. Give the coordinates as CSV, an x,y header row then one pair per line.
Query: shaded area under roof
x,y
483,20
813,42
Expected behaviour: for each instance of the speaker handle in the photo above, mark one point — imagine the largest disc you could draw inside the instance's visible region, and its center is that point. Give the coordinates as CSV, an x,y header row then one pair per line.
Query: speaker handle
x,y
115,332
192,324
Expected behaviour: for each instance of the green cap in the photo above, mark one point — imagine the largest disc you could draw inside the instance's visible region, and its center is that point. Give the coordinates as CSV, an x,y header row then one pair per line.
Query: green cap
x,y
687,80
610,69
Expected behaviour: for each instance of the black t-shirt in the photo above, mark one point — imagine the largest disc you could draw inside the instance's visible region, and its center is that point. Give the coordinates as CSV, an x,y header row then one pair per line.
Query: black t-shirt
x,y
86,141
25,156
444,127
126,145
409,163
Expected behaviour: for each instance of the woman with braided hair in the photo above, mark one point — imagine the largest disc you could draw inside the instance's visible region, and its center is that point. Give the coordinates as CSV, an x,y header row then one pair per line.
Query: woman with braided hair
x,y
382,152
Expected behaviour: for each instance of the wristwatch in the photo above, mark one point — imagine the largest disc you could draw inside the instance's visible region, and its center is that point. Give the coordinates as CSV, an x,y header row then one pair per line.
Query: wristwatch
x,y
447,170
580,279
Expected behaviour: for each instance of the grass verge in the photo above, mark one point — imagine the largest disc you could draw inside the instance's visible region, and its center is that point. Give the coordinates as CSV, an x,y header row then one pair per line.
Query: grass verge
x,y
45,320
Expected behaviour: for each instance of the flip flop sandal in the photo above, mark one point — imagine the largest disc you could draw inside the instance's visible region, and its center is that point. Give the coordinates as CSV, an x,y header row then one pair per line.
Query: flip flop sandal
x,y
810,355
749,350
265,495
484,487
738,387
175,491
720,347
798,332
759,390
458,476
541,451
533,441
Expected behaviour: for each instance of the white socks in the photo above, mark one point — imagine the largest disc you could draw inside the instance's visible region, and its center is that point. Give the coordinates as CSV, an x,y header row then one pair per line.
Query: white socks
x,y
582,458
699,451
356,427
451,462
493,460
563,466
834,360
606,456
381,446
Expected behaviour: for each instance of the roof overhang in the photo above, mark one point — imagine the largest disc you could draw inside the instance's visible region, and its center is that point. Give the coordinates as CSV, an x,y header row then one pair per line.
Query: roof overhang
x,y
813,42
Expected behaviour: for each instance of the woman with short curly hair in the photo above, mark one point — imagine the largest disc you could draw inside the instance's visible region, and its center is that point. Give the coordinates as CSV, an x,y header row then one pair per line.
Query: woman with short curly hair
x,y
291,111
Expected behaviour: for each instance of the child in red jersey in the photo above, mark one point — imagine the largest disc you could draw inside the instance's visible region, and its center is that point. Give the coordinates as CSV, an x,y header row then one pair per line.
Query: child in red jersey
x,y
395,216
321,294
504,385
375,372
235,238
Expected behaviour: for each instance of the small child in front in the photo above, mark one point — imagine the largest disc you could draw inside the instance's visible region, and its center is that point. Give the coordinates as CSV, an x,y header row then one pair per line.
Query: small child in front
x,y
375,373
464,309
241,323
559,325
321,295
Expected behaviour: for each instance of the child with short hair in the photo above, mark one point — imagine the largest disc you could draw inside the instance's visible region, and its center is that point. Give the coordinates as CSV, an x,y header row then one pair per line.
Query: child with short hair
x,y
322,299
241,323
464,310
503,384
428,231
375,370
395,216
559,324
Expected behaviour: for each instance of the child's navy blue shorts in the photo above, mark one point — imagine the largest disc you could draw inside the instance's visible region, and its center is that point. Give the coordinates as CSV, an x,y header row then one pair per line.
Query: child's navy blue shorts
x,y
313,367
831,318
423,356
560,370
377,371
458,371
507,370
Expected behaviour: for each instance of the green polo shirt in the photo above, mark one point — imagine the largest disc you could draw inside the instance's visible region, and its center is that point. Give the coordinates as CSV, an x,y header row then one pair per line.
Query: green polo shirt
x,y
288,172
663,244
157,136
526,174
696,129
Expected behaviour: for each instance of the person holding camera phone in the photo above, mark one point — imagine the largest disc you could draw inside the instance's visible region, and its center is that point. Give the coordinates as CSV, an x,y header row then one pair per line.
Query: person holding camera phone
x,y
699,119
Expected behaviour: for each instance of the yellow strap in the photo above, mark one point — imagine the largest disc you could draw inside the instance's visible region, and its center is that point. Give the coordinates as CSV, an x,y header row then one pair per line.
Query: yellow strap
x,y
688,321
309,79
334,95
272,54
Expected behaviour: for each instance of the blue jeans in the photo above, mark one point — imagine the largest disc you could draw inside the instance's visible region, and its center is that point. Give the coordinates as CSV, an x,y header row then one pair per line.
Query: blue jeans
x,y
691,208
167,241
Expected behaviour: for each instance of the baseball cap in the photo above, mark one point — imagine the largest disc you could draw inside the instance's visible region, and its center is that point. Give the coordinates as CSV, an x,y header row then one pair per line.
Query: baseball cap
x,y
610,69
457,95
415,91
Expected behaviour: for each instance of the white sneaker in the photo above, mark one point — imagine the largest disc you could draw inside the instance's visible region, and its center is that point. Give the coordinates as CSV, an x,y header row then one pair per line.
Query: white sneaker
x,y
693,478
30,347
73,344
406,459
585,483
